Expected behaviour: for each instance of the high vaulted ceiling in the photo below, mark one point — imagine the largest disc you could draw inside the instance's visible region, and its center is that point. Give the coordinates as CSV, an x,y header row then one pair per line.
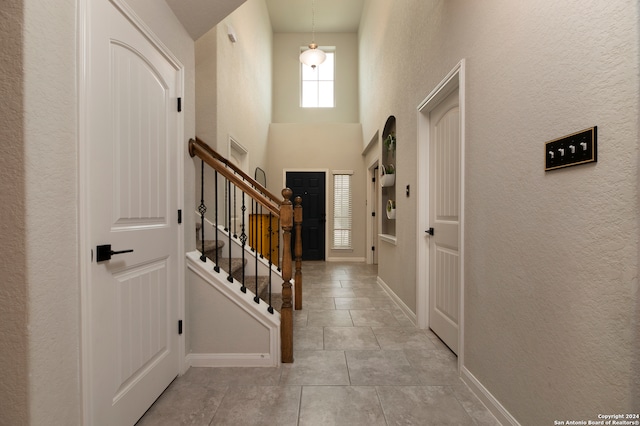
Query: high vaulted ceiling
x,y
332,16
287,16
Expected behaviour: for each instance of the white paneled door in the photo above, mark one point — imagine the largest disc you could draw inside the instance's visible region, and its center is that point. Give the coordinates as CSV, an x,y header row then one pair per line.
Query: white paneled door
x,y
444,202
132,136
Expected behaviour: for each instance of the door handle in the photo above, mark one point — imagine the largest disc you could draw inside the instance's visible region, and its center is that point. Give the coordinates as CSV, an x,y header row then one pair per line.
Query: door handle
x,y
429,231
104,252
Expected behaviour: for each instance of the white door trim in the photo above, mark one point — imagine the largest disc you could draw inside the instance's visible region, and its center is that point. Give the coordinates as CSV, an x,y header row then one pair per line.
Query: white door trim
x,y
84,243
240,151
455,78
373,222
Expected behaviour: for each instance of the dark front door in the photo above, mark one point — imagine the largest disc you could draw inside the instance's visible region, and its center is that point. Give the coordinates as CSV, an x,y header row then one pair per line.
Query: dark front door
x,y
311,187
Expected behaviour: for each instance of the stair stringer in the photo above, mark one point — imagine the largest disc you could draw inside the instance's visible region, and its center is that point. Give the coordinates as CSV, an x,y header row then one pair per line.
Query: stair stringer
x,y
243,305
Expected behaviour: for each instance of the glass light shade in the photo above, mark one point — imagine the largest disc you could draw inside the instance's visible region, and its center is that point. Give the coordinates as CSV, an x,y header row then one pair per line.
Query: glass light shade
x,y
312,56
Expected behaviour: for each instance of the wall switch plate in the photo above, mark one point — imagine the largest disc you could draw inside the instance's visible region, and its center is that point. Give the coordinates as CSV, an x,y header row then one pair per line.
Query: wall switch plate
x,y
577,148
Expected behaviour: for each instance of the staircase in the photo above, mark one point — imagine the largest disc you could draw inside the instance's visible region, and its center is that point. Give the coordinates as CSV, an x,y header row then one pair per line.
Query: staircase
x,y
227,197
235,266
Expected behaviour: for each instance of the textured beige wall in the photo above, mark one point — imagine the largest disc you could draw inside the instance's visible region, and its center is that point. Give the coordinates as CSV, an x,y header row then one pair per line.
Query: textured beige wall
x,y
13,296
50,223
286,79
551,291
243,81
206,86
233,99
233,90
331,146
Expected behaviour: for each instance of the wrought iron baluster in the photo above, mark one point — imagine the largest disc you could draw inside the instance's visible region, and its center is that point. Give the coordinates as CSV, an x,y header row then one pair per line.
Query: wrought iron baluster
x,y
261,236
252,226
226,211
217,267
202,209
270,230
230,277
256,249
235,212
243,240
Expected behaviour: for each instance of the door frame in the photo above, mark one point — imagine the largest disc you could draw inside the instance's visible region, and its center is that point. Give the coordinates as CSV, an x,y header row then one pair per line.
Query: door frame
x,y
84,238
326,202
241,151
373,222
454,79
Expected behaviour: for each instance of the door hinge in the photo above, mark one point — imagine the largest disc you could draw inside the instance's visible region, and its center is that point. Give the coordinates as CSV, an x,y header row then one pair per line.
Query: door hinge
x,y
373,214
179,216
179,104
373,179
373,248
179,326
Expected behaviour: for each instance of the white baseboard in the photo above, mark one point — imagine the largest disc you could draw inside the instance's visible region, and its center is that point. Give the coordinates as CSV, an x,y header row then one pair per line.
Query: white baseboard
x,y
408,312
230,360
345,259
483,394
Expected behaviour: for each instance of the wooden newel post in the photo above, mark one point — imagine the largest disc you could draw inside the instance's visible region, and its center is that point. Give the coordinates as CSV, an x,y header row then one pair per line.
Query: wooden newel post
x,y
297,221
286,313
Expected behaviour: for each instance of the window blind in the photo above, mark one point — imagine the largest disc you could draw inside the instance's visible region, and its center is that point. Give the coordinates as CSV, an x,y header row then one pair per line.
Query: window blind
x,y
342,211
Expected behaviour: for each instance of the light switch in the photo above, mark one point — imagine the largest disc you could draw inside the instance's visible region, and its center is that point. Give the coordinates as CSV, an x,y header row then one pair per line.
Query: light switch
x,y
566,153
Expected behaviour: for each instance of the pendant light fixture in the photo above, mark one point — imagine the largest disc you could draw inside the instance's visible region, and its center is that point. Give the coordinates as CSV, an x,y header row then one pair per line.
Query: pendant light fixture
x,y
313,56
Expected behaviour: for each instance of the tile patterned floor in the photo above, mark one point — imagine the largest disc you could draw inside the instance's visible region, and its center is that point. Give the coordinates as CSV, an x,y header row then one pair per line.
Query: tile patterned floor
x,y
358,361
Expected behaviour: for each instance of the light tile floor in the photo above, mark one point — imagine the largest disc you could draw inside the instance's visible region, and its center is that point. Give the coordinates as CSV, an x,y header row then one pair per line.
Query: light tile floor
x,y
358,361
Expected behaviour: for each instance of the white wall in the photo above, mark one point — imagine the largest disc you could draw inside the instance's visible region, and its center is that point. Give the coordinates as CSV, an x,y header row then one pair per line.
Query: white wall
x,y
551,291
46,278
330,146
286,79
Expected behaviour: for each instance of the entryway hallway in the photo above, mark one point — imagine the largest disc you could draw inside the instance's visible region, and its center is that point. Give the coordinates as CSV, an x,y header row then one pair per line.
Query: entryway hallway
x,y
358,361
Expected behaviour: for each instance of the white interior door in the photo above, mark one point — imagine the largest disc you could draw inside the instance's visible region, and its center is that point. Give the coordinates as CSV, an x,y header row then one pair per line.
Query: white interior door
x,y
444,213
132,136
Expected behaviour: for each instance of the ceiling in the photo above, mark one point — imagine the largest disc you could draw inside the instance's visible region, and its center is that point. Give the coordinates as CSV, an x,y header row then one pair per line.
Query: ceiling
x,y
199,16
332,16
287,16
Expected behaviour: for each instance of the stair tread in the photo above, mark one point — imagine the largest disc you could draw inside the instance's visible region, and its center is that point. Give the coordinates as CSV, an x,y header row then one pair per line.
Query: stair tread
x,y
210,245
263,288
235,266
232,266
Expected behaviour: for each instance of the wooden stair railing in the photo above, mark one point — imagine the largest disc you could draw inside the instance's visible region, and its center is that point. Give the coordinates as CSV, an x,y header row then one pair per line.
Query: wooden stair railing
x,y
289,216
198,148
